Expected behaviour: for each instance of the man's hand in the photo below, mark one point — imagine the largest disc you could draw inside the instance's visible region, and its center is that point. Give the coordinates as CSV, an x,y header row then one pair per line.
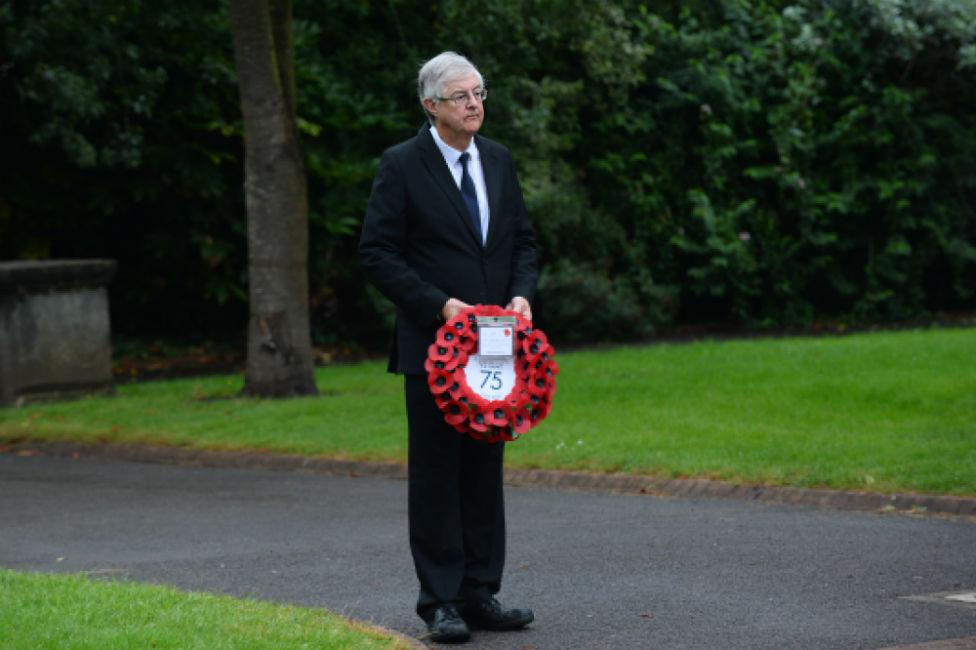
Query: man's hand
x,y
521,306
452,307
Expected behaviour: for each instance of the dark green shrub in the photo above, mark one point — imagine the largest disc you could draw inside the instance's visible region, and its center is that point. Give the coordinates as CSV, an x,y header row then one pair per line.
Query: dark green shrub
x,y
743,161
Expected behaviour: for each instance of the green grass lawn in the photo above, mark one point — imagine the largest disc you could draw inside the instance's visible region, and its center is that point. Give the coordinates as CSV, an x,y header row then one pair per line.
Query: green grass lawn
x,y
60,611
880,412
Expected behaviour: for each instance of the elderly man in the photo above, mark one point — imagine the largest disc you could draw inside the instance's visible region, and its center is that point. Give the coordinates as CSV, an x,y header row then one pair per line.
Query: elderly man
x,y
446,228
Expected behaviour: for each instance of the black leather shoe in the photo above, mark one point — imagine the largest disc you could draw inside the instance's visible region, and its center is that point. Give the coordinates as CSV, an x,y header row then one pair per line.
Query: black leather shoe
x,y
489,614
447,626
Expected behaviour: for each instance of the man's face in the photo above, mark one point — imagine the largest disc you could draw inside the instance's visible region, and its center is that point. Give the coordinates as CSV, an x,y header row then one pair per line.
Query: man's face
x,y
460,119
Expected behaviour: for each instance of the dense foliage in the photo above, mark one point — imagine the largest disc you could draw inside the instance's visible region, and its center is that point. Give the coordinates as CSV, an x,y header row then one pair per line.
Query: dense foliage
x,y
760,162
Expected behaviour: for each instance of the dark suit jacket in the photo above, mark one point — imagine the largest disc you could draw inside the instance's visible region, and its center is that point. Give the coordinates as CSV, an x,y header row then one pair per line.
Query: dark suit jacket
x,y
419,247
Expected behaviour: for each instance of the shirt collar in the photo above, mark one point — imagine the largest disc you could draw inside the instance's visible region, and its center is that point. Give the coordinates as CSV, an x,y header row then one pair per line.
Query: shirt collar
x,y
451,154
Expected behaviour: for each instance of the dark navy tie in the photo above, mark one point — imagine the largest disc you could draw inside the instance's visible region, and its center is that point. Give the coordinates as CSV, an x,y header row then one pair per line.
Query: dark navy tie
x,y
469,194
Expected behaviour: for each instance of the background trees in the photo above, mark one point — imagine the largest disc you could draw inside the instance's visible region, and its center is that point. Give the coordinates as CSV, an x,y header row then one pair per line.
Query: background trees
x,y
121,137
749,161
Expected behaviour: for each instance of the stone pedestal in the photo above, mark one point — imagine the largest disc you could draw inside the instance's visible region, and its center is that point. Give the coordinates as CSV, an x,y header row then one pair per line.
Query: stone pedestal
x,y
54,329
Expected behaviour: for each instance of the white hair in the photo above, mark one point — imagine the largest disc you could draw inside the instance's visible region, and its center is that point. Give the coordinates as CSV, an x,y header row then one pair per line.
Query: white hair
x,y
438,72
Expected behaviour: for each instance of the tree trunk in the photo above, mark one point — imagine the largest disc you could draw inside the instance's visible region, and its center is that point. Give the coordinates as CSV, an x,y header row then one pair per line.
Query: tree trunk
x,y
279,347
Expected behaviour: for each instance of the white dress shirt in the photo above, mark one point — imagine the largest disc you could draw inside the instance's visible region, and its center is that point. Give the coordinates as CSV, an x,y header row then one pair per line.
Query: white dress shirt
x,y
453,159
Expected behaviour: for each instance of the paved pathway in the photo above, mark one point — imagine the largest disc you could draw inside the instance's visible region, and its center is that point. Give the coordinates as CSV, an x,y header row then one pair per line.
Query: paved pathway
x,y
601,571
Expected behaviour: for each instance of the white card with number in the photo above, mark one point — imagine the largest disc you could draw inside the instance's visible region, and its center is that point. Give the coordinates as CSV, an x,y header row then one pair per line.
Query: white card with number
x,y
491,378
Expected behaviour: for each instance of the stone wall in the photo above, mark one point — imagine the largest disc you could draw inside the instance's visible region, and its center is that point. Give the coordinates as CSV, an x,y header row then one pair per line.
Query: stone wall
x,y
54,329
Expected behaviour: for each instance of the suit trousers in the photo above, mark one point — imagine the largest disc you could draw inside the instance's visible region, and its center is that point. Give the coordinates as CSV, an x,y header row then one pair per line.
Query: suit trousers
x,y
456,507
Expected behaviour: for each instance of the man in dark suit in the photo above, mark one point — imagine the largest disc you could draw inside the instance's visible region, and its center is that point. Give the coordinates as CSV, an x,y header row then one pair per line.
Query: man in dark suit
x,y
446,228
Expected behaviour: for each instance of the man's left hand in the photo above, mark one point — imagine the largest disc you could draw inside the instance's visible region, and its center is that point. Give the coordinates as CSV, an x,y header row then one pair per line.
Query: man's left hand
x,y
521,306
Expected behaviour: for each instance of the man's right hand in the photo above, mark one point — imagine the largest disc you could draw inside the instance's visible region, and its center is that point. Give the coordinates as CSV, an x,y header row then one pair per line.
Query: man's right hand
x,y
452,307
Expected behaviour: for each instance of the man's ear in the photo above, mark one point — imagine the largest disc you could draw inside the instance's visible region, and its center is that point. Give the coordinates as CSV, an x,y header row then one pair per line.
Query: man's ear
x,y
431,106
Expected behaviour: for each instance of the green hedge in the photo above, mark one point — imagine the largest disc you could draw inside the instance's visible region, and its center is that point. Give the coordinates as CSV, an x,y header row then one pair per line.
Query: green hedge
x,y
747,161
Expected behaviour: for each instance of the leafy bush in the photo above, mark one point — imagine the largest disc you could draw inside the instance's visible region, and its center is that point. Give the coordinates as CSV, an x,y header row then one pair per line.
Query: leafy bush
x,y
759,162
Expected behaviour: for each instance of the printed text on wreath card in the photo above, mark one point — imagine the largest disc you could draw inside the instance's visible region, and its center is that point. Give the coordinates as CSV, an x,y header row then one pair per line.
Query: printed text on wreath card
x,y
494,341
492,379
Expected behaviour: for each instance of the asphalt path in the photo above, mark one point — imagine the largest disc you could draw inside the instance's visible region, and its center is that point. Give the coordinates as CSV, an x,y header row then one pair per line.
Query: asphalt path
x,y
600,570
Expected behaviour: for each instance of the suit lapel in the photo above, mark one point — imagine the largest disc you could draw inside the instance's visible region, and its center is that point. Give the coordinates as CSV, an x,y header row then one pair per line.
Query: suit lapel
x,y
434,162
493,183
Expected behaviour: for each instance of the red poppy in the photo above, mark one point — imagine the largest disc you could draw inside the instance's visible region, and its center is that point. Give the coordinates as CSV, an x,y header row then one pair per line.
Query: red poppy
x,y
447,337
499,414
521,421
536,416
467,343
476,422
439,353
459,323
457,358
454,414
535,344
459,390
439,381
537,385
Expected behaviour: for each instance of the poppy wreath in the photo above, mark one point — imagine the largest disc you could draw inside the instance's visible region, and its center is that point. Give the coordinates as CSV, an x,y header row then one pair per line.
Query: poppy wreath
x,y
529,402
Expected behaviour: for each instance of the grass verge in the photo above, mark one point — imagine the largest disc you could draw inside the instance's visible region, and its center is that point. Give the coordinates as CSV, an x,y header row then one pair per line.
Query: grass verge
x,y
62,611
883,412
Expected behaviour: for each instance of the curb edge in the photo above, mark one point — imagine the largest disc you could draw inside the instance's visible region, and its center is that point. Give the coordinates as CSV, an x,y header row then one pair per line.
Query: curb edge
x,y
618,483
